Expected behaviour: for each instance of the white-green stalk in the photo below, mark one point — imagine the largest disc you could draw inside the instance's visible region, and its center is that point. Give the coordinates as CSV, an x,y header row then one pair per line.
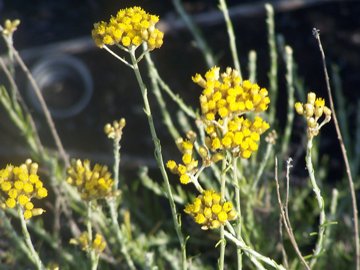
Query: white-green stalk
x,y
159,158
238,209
222,229
34,255
320,201
231,34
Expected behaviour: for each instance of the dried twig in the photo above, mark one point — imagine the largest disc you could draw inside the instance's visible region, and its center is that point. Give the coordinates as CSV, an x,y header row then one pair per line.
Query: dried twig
x,y
343,151
284,211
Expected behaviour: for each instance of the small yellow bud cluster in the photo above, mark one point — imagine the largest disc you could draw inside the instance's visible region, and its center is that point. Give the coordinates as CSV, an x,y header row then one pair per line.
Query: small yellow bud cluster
x,y
224,100
20,184
313,110
114,131
130,27
10,27
92,183
242,137
98,244
188,165
208,210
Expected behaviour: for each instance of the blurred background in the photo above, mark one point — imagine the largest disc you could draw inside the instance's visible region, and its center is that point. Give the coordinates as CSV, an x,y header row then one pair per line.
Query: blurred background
x,y
85,87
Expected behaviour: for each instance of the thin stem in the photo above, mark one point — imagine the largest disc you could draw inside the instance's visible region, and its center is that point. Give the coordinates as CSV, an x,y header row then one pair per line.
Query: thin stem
x,y
238,209
231,34
200,40
35,256
159,159
44,107
290,90
262,166
116,147
320,201
162,104
252,66
284,215
273,60
93,258
118,57
176,98
343,151
119,234
222,229
250,252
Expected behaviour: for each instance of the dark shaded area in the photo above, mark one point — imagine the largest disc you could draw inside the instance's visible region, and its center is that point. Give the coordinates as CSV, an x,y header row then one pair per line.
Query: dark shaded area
x,y
115,90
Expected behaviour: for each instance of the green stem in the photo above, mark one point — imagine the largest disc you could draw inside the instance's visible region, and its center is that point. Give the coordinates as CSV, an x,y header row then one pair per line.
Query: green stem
x,y
159,159
35,256
252,66
320,201
119,235
156,90
231,34
291,90
250,252
93,258
222,229
238,209
200,40
116,147
273,60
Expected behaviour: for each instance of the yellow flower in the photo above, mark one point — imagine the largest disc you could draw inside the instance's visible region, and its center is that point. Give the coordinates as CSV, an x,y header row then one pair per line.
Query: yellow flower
x,y
130,27
92,183
19,185
207,210
98,244
312,111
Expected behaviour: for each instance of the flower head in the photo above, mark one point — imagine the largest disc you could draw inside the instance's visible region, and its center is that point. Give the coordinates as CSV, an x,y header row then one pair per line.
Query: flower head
x,y
130,27
313,110
92,183
114,130
10,27
98,243
208,210
224,102
19,185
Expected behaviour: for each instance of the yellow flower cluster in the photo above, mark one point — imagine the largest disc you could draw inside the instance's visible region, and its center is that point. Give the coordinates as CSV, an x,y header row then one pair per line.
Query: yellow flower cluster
x,y
189,164
98,244
224,100
19,185
92,183
208,210
227,94
313,110
130,27
114,130
242,136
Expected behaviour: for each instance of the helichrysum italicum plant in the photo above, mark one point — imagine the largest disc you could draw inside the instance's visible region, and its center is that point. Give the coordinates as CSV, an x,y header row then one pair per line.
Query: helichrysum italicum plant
x,y
91,182
20,185
317,114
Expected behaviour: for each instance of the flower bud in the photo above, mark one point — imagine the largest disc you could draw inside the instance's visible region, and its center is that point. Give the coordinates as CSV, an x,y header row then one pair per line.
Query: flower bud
x,y
311,98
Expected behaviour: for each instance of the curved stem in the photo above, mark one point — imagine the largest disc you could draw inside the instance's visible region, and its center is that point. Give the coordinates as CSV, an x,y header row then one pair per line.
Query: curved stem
x,y
119,234
222,229
320,201
250,252
34,254
343,151
159,159
238,209
231,34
